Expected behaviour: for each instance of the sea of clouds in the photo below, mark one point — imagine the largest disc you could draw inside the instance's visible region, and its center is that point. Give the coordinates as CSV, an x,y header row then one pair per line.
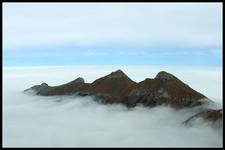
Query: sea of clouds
x,y
66,121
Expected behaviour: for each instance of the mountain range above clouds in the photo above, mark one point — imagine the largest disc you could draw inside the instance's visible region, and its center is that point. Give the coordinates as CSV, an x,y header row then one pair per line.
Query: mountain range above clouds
x,y
117,87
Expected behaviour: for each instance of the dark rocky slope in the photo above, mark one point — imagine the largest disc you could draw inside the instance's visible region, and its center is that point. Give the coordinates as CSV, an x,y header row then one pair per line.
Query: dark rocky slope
x,y
117,87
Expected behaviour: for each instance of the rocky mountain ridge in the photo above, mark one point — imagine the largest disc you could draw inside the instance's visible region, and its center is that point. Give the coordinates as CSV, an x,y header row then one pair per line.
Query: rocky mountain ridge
x,y
117,87
165,89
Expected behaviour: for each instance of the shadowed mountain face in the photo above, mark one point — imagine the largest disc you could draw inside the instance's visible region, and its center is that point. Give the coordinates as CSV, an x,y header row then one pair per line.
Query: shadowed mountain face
x,y
163,89
117,87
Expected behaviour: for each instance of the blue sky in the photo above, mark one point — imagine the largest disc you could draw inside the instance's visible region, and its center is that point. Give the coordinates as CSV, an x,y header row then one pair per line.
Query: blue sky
x,y
114,33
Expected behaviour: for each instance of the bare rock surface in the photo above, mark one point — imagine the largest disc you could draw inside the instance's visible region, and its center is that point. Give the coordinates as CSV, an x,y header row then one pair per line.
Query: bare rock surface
x,y
117,87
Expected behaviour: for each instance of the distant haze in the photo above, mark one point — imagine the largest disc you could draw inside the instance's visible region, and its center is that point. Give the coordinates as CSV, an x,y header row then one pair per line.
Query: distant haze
x,y
30,120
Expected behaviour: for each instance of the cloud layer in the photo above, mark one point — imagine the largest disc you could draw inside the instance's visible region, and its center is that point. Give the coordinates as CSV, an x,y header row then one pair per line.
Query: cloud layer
x,y
75,121
146,33
151,25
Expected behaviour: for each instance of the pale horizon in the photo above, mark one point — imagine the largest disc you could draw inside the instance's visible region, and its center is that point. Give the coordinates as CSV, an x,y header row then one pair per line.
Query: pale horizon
x,y
121,33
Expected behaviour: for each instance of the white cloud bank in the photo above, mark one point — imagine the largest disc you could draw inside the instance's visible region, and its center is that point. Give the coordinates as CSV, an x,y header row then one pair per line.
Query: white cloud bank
x,y
133,25
75,121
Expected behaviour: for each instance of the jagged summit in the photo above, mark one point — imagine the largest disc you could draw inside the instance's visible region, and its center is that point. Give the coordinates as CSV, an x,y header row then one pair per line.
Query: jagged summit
x,y
78,80
44,84
117,74
115,84
164,89
165,76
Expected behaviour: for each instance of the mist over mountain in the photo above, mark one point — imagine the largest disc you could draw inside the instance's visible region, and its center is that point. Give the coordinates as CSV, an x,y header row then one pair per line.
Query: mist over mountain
x,y
129,74
30,120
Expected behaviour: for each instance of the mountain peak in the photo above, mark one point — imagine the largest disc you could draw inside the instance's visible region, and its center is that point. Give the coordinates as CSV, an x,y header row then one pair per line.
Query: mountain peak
x,y
44,84
78,80
164,75
117,74
118,87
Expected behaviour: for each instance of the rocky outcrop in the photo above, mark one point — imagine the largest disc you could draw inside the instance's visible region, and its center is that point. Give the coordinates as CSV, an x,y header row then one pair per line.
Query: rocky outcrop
x,y
164,89
38,89
65,89
165,76
211,116
117,87
113,87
